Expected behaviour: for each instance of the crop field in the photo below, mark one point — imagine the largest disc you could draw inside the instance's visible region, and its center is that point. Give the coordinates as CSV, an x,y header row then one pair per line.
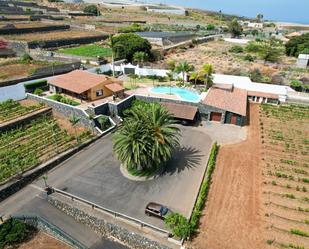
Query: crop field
x,y
11,109
285,161
36,142
88,50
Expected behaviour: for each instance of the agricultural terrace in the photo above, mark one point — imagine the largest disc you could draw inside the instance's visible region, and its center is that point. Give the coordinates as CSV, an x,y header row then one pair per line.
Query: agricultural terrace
x,y
25,147
11,109
88,50
285,161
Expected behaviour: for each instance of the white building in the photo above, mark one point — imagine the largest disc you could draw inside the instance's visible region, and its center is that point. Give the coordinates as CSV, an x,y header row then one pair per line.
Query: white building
x,y
303,60
257,92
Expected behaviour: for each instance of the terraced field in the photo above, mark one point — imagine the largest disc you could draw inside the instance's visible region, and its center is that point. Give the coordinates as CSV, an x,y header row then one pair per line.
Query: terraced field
x,y
38,141
11,109
285,161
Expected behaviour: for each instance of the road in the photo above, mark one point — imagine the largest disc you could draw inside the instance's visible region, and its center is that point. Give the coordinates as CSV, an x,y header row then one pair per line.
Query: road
x,y
94,174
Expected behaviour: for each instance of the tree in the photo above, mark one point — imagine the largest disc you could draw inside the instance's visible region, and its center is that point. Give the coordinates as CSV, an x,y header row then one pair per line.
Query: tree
x,y
179,224
126,45
171,65
235,28
259,17
297,45
270,50
92,9
170,76
140,57
103,121
256,75
183,68
195,76
113,46
207,71
74,121
147,138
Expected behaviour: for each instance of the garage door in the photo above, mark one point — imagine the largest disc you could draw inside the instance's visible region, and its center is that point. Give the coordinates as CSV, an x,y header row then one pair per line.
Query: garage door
x,y
215,116
234,119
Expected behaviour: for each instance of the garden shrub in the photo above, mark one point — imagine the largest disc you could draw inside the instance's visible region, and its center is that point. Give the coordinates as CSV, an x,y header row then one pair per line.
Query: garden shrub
x,y
236,49
202,196
13,232
179,224
249,57
64,100
38,91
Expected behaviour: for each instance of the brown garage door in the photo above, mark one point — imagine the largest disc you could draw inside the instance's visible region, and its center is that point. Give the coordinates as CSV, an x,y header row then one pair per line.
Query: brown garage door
x,y
234,119
215,116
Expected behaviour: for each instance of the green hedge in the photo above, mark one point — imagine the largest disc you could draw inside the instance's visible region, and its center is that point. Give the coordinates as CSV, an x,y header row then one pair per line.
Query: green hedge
x,y
35,84
202,196
64,100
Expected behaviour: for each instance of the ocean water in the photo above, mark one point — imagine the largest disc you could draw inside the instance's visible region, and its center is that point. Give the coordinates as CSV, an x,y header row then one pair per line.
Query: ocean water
x,y
295,11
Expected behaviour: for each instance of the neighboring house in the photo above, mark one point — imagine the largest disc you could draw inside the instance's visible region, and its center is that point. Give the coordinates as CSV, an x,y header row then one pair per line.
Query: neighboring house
x,y
257,92
230,104
85,85
303,60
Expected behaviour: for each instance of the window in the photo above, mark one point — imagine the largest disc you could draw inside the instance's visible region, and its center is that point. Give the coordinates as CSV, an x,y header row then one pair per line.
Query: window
x,y
99,93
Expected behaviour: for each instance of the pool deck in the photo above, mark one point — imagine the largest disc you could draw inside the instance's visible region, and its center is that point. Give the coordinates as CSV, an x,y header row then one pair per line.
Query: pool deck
x,y
146,90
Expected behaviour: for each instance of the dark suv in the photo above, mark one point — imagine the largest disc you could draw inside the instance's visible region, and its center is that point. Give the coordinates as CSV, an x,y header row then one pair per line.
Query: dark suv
x,y
157,210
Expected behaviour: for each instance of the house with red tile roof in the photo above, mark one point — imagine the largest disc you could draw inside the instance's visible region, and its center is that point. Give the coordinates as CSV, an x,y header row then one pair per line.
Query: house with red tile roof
x,y
230,105
85,85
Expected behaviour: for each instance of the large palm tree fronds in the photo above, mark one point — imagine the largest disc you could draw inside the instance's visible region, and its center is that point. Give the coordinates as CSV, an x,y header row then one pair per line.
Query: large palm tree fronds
x,y
183,67
147,137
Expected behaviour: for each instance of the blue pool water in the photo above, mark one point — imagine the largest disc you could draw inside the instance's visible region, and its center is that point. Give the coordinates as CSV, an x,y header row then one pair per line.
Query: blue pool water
x,y
184,94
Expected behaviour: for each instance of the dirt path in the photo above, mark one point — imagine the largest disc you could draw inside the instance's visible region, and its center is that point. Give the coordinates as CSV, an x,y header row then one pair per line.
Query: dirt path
x,y
233,214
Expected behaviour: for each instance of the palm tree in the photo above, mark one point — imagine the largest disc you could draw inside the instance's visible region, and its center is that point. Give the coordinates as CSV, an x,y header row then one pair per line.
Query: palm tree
x,y
207,71
147,138
170,76
74,120
195,76
183,67
113,46
140,57
259,17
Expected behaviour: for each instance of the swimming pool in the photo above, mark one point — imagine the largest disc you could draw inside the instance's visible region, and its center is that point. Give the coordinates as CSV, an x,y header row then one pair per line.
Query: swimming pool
x,y
184,94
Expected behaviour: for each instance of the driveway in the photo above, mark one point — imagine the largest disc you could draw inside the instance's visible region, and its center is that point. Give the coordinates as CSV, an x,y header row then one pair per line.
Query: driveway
x,y
94,174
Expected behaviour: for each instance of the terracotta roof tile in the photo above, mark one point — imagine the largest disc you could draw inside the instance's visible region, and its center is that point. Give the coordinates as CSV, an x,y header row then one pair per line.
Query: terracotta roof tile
x,y
233,101
115,87
78,81
187,112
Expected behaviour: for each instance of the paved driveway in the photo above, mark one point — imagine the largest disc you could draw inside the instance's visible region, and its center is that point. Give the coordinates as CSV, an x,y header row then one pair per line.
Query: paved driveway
x,y
94,174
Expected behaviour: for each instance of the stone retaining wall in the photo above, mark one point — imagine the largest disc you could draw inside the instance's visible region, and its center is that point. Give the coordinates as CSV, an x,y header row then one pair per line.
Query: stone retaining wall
x,y
64,109
106,229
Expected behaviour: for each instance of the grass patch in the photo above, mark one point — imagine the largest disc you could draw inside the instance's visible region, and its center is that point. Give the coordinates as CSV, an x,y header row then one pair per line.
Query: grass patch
x,y
88,50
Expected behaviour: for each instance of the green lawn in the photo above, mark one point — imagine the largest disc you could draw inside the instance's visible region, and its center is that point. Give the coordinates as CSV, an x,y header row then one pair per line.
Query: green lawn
x,y
88,50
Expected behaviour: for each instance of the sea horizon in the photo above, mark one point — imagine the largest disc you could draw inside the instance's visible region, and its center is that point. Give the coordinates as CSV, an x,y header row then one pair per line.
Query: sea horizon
x,y
274,10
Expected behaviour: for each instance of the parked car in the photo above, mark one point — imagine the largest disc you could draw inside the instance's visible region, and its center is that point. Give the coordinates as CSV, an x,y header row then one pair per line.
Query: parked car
x,y
157,210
